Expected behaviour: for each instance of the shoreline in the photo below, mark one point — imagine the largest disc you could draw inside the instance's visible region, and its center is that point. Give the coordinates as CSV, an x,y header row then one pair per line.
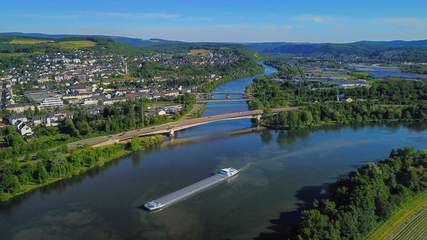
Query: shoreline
x,y
28,188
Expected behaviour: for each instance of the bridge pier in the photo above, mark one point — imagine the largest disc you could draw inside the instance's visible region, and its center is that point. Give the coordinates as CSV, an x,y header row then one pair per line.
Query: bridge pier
x,y
258,120
172,133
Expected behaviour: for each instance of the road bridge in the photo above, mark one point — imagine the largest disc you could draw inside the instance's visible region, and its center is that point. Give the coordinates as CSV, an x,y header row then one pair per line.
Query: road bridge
x,y
171,128
223,100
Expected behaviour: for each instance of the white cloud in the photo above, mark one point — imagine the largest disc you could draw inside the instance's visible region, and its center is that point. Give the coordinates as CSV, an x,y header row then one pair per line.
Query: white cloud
x,y
402,22
317,19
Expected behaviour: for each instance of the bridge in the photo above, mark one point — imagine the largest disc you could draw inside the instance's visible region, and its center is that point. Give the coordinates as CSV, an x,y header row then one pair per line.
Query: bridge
x,y
171,128
224,93
208,97
223,100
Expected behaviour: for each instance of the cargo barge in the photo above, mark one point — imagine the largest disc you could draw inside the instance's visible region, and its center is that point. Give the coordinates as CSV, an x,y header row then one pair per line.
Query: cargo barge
x,y
171,198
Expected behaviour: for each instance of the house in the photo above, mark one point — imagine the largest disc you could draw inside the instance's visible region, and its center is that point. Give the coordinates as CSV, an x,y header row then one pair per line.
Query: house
x,y
14,119
51,102
114,100
171,94
80,89
37,120
94,109
24,129
20,108
173,108
38,96
90,101
355,83
48,120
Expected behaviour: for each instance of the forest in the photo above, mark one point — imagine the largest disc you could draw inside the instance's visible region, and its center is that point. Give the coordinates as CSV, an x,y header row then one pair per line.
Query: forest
x,y
17,177
317,115
357,203
270,93
382,101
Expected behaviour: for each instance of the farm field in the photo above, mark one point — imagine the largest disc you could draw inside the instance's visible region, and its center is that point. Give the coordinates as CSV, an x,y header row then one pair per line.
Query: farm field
x,y
28,41
66,44
198,52
408,223
75,44
415,229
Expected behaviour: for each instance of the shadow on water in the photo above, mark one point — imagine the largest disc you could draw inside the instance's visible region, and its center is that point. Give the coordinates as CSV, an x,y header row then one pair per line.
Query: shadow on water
x,y
58,186
175,142
283,226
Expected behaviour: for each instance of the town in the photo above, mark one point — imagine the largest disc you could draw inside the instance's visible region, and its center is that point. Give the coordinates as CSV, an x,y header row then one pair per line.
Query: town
x,y
249,120
48,88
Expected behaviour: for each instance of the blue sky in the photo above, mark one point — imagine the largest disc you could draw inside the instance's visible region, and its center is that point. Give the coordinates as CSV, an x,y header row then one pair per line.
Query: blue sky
x,y
223,20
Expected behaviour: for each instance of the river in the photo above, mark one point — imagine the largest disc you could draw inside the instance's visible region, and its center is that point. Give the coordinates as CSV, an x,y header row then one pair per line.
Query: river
x,y
279,171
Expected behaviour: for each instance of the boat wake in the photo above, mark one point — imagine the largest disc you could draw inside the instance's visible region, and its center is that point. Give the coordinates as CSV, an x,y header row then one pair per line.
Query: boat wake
x,y
246,167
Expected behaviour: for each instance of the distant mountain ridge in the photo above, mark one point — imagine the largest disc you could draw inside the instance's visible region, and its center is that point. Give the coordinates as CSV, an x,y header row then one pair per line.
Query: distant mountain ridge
x,y
319,48
395,43
359,47
134,42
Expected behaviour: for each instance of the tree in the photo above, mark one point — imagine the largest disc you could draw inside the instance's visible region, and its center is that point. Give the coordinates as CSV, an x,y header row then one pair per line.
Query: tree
x,y
134,144
10,183
68,127
13,138
316,226
84,127
40,173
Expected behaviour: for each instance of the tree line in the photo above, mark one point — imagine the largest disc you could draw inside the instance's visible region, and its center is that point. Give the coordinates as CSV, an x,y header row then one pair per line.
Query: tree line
x,y
270,93
317,114
365,198
19,177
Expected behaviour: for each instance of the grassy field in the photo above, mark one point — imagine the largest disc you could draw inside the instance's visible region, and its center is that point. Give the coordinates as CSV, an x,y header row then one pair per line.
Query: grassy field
x,y
75,44
408,223
28,41
198,52
67,44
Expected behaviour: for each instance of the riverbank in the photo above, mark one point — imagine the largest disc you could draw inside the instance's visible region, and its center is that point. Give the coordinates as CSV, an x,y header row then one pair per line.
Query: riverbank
x,y
72,164
403,218
354,205
246,72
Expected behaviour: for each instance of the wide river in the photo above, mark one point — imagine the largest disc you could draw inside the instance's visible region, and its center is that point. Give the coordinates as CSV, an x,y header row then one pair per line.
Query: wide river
x,y
279,171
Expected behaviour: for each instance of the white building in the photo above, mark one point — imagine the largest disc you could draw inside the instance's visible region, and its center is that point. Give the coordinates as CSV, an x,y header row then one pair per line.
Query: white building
x,y
161,113
24,129
51,102
19,108
15,119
